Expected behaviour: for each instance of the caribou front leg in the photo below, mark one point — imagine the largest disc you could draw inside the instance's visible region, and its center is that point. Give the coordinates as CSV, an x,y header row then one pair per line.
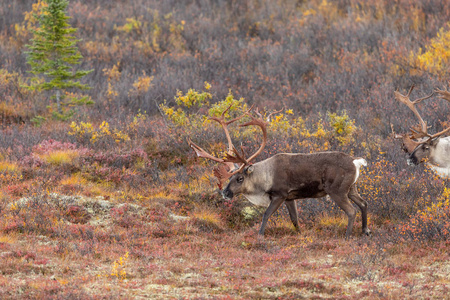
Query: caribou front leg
x,y
275,202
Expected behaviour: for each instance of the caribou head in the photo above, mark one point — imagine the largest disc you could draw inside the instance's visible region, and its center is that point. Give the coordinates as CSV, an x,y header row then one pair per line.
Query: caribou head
x,y
420,145
235,164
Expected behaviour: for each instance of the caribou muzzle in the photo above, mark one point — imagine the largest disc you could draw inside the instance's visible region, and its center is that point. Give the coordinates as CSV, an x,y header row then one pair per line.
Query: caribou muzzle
x,y
412,161
227,194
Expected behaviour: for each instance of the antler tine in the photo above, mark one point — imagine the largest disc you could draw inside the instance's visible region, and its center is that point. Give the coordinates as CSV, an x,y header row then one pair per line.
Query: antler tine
x,y
202,153
237,157
408,143
394,134
417,133
424,98
443,94
440,133
273,113
262,124
411,104
410,90
225,111
240,117
258,113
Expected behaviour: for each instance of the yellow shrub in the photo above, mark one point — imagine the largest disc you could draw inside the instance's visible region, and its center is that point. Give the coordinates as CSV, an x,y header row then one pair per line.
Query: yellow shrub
x,y
88,130
119,267
185,113
30,23
131,25
8,167
343,127
436,57
191,114
142,85
113,74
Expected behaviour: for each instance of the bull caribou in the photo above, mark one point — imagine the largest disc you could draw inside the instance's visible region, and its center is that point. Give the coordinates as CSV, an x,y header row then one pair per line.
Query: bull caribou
x,y
422,146
285,177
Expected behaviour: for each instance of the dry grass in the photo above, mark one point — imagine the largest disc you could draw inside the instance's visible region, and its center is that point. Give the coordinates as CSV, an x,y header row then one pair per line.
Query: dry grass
x,y
60,157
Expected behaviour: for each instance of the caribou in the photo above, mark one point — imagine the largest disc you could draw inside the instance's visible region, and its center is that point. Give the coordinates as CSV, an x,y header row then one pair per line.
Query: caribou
x,y
421,146
286,177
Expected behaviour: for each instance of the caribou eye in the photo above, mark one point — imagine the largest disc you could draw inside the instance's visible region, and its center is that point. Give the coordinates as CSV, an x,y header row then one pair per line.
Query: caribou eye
x,y
240,179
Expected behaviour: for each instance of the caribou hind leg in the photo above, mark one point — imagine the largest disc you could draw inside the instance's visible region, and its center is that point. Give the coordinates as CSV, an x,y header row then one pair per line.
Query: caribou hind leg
x,y
293,213
344,203
362,204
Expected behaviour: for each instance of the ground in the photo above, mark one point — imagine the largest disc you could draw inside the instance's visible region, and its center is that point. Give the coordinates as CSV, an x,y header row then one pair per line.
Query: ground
x,y
102,253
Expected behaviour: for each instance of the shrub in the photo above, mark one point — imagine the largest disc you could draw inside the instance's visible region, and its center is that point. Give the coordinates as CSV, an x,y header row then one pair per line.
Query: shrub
x,y
430,223
88,133
436,56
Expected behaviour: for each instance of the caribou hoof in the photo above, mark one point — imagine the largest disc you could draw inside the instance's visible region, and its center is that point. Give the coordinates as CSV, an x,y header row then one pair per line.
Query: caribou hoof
x,y
260,239
367,232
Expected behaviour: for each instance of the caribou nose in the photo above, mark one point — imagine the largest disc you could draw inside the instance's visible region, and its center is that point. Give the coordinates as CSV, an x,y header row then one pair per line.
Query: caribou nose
x,y
411,162
227,194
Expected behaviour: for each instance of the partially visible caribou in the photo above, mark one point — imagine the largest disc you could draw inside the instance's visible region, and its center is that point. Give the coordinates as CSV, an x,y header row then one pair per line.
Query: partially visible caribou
x,y
285,177
422,146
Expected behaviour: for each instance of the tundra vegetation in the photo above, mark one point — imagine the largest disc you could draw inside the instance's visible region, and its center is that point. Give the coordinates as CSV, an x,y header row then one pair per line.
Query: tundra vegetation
x,y
113,203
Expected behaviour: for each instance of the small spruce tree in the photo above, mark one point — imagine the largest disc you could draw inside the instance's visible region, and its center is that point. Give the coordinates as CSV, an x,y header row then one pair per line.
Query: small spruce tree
x,y
53,54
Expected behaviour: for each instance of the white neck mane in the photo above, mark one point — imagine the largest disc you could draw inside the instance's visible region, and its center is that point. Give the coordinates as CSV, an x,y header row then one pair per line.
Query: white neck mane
x,y
442,172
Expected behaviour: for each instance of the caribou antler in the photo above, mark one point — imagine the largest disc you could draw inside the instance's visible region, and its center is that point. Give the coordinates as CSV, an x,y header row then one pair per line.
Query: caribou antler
x,y
270,115
221,120
223,171
418,132
234,161
227,167
408,143
224,124
263,125
443,94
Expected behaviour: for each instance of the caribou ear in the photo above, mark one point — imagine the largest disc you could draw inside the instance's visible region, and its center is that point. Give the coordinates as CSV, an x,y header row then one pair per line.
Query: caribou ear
x,y
434,141
249,169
